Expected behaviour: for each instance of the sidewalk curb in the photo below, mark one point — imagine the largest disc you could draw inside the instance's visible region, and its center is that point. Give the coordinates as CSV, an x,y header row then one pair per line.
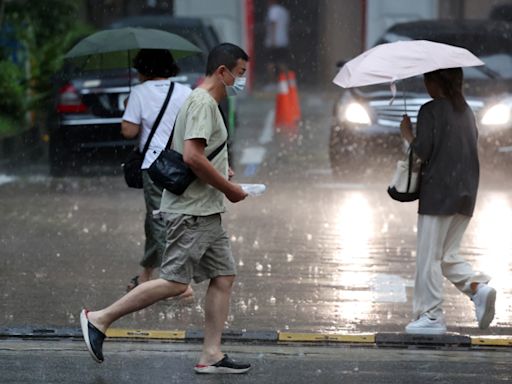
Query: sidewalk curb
x,y
378,339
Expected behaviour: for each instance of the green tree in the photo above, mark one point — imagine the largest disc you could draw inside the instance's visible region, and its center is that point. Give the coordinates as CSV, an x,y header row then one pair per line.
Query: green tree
x,y
11,90
45,30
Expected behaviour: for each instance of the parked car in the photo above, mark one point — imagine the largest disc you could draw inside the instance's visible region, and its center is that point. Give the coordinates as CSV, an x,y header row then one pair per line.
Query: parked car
x,y
85,123
365,126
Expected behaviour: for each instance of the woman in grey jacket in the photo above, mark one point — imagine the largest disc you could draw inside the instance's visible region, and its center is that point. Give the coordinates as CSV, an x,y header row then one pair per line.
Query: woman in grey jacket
x,y
446,143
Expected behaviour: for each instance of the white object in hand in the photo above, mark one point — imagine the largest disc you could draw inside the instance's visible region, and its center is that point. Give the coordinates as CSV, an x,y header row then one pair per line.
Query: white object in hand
x,y
254,189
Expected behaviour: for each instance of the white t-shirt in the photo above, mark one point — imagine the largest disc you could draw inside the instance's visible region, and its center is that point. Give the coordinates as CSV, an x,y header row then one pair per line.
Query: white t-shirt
x,y
144,105
280,16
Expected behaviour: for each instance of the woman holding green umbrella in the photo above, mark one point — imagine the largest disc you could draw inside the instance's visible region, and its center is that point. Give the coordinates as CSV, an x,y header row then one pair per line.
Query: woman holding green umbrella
x,y
155,67
114,48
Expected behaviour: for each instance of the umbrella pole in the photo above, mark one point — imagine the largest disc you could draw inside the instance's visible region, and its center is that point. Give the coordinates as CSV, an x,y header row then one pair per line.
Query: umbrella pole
x,y
405,103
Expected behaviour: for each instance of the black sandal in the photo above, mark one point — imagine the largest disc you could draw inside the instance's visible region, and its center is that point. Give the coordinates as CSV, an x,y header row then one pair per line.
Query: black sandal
x,y
133,283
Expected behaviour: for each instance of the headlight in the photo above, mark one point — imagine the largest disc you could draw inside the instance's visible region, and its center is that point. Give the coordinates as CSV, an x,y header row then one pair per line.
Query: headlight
x,y
357,114
498,114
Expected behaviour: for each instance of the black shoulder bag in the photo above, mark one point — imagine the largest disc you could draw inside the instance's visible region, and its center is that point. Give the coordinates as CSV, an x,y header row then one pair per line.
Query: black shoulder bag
x,y
170,172
133,163
405,185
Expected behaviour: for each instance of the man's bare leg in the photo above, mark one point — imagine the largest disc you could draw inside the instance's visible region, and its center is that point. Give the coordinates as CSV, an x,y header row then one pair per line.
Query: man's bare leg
x,y
138,298
216,312
147,275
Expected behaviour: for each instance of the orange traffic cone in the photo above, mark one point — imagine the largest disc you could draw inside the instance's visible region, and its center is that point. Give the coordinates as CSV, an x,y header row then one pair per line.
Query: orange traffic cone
x,y
294,95
284,114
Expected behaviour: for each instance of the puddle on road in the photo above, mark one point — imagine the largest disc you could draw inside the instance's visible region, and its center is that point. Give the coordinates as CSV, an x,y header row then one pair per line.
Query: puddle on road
x,y
389,288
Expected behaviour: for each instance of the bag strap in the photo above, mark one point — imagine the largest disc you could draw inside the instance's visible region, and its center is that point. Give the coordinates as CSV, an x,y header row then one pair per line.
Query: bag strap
x,y
158,119
409,173
169,142
216,152
212,155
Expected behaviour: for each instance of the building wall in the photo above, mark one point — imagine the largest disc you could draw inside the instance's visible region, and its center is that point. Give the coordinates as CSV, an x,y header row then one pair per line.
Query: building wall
x,y
227,16
341,34
477,9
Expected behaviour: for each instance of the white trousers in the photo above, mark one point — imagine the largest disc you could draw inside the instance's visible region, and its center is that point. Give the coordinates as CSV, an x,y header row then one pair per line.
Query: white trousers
x,y
437,255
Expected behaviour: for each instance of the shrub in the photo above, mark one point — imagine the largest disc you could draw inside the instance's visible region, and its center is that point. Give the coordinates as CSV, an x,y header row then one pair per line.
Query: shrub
x,y
12,91
45,31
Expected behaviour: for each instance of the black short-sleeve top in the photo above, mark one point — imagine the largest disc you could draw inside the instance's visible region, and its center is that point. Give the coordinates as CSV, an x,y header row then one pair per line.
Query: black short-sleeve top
x,y
446,143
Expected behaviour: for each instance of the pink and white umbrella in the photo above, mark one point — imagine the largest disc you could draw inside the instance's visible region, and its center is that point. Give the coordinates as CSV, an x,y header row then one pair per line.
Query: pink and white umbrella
x,y
387,63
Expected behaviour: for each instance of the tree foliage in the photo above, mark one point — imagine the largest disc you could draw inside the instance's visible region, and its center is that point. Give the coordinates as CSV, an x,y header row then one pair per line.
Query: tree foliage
x,y
12,93
43,32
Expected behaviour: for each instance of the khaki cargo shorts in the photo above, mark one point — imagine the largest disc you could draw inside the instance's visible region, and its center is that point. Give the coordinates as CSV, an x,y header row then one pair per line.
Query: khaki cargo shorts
x,y
197,247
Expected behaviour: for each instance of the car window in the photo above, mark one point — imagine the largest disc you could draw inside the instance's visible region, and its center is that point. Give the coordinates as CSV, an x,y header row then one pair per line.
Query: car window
x,y
214,38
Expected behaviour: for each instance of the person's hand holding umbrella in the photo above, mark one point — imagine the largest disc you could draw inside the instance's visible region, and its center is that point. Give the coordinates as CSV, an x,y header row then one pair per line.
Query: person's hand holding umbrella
x,y
406,129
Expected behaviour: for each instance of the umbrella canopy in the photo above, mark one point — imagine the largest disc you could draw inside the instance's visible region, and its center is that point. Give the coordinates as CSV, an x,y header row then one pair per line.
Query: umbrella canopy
x,y
114,47
387,63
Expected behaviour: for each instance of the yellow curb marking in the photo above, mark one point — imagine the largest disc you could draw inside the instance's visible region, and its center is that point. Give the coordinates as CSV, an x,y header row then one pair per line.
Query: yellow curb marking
x,y
145,334
294,337
360,338
492,340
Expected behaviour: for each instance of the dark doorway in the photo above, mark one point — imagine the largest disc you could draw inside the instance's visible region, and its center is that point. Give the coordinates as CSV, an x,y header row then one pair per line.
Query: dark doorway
x,y
304,37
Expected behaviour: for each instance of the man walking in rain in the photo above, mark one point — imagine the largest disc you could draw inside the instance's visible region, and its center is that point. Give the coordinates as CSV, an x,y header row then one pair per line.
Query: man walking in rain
x,y
197,246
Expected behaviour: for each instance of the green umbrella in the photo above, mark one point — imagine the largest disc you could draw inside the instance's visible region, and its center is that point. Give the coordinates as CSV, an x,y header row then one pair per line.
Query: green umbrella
x,y
113,48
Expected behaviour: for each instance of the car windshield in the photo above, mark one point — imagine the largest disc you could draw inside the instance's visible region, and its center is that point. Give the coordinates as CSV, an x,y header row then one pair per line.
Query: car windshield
x,y
195,63
496,66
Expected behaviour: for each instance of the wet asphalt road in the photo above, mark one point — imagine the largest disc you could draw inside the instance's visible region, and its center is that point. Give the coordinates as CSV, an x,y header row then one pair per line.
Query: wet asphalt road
x,y
315,253
67,362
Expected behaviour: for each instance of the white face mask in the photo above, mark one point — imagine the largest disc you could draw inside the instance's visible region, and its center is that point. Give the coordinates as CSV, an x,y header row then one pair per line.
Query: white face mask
x,y
237,87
